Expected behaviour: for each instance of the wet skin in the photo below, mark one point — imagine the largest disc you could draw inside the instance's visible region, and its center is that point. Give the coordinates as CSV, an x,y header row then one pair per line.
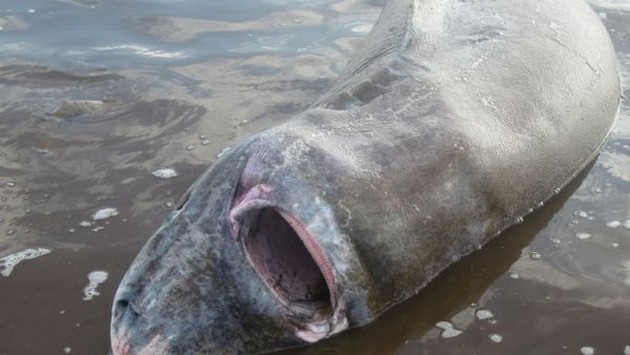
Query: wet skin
x,y
441,134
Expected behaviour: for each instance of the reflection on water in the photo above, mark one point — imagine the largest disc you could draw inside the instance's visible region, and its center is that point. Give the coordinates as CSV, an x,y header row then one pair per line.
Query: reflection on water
x,y
118,106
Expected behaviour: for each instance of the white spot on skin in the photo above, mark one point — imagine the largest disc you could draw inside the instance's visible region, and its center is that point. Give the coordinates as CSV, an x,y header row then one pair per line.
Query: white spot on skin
x,y
104,213
95,278
164,173
10,261
482,314
587,350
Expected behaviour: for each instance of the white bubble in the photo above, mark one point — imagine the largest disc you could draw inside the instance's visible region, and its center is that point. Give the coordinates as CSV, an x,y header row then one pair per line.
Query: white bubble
x,y
626,224
513,275
626,350
495,338
587,350
164,173
104,213
482,314
583,236
67,350
534,255
190,147
615,245
613,224
85,224
95,278
582,214
9,262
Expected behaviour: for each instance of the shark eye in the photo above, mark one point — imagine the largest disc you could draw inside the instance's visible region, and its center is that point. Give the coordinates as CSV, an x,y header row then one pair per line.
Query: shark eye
x,y
280,257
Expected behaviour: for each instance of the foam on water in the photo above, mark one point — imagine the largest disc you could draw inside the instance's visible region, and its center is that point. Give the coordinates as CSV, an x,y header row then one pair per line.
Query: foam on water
x,y
10,261
613,224
482,314
104,213
447,330
95,278
164,173
587,350
626,350
583,236
495,338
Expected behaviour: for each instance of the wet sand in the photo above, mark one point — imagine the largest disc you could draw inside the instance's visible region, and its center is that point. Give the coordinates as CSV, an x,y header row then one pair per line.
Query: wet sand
x,y
177,83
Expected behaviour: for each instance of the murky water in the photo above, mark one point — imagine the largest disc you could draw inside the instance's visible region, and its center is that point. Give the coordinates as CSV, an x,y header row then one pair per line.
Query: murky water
x,y
171,84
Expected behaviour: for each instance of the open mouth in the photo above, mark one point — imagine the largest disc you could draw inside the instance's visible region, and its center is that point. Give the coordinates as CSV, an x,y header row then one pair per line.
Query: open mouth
x,y
283,261
290,262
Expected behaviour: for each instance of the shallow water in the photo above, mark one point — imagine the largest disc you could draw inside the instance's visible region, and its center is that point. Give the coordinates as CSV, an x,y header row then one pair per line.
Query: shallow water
x,y
176,83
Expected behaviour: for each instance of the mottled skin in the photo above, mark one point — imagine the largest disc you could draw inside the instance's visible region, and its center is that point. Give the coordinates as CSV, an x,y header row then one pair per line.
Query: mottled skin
x,y
457,119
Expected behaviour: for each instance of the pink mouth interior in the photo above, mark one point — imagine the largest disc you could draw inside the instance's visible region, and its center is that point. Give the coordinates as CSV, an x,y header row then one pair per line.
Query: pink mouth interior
x,y
282,258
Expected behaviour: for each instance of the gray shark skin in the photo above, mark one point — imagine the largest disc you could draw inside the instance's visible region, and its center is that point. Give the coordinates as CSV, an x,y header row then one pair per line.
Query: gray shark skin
x,y
456,120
